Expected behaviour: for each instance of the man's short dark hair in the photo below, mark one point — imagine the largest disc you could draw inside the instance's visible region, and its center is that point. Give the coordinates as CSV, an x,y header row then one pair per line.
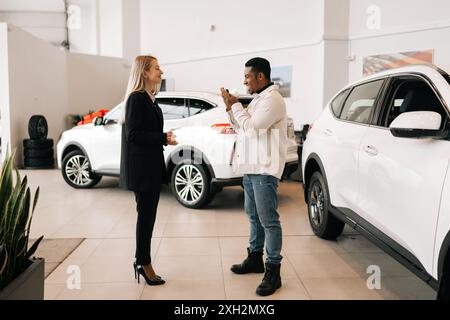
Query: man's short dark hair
x,y
259,65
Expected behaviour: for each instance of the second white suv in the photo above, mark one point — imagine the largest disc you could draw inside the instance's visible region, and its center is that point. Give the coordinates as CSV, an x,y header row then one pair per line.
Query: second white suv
x,y
199,167
378,160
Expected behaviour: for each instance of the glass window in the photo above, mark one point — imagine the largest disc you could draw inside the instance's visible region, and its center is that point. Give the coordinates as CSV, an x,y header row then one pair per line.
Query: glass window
x,y
115,115
173,108
410,94
360,102
245,101
447,77
198,106
336,104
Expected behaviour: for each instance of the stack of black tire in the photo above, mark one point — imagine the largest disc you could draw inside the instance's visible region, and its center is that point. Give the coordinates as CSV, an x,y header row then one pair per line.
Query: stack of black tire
x,y
38,150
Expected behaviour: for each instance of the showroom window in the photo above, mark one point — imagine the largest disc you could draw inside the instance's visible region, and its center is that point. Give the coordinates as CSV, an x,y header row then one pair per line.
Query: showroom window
x,y
336,104
198,106
173,108
360,102
410,94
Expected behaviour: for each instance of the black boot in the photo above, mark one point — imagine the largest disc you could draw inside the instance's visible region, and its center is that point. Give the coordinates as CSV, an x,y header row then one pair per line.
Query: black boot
x,y
253,263
271,281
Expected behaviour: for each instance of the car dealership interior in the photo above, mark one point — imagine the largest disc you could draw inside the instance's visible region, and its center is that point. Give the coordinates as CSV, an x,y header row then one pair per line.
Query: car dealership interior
x,y
366,93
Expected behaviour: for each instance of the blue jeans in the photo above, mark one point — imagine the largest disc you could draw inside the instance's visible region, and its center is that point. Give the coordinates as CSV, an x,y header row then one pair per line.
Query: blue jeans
x,y
261,206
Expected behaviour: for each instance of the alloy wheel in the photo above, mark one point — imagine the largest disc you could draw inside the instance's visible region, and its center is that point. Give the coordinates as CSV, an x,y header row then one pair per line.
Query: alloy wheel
x,y
77,170
189,183
316,206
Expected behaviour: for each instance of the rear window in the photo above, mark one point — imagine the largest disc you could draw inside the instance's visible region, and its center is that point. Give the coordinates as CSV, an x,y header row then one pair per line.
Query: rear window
x,y
361,100
336,104
447,77
245,101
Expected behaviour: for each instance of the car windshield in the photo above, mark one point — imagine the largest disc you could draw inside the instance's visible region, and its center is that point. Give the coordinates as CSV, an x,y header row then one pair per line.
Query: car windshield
x,y
447,77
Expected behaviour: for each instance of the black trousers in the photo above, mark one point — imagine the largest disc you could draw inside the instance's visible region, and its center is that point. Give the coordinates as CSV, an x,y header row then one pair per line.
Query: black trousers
x,y
146,205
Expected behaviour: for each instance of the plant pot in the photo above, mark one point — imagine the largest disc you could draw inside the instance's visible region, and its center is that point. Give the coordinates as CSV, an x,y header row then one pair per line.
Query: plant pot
x,y
27,286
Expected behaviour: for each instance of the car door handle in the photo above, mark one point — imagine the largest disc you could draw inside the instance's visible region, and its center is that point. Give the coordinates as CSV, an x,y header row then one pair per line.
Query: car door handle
x,y
371,150
328,132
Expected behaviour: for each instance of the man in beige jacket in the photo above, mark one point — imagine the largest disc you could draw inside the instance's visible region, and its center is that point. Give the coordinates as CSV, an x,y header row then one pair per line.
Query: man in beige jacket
x,y
260,156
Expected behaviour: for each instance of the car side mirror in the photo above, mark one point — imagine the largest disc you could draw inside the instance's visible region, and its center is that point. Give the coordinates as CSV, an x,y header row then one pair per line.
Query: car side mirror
x,y
417,125
109,121
98,121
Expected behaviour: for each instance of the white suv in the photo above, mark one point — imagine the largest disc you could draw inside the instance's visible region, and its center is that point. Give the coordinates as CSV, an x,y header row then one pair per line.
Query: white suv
x,y
206,144
378,159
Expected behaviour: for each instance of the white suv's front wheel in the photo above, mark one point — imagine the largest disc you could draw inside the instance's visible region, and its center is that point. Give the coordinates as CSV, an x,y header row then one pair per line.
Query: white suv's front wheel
x,y
324,224
190,184
76,170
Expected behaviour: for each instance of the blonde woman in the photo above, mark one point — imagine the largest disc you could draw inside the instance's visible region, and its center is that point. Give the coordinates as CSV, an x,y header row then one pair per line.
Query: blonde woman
x,y
142,168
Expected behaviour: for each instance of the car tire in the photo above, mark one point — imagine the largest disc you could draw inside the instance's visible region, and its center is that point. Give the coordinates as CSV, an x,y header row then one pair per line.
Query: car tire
x,y
39,162
38,144
38,153
323,223
37,127
190,184
76,171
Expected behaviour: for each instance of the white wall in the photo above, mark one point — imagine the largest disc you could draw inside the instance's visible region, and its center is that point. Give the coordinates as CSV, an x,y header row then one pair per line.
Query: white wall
x,y
307,74
110,27
95,82
45,18
288,33
336,47
405,26
179,30
398,15
37,85
33,5
131,29
49,81
4,90
85,39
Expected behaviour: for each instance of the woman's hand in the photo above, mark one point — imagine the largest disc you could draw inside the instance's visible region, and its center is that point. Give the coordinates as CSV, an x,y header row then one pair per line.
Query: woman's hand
x,y
171,138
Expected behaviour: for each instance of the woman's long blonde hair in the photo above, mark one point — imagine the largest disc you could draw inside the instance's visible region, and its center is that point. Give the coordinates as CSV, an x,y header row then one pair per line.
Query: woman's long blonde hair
x,y
136,82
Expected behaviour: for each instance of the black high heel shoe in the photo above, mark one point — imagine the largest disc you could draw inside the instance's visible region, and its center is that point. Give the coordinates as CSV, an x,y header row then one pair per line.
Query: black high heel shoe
x,y
139,270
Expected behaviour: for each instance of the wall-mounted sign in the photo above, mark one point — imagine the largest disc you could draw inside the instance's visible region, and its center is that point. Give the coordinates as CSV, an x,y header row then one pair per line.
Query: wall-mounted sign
x,y
282,76
377,63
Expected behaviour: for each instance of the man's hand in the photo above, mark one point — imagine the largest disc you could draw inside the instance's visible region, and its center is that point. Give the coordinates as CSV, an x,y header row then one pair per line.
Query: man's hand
x,y
228,98
171,138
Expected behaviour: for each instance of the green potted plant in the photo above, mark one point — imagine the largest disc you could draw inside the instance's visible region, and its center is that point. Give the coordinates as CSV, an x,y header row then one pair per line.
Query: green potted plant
x,y
21,276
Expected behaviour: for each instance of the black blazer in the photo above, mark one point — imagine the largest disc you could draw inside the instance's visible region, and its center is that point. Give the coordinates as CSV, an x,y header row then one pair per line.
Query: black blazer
x,y
142,166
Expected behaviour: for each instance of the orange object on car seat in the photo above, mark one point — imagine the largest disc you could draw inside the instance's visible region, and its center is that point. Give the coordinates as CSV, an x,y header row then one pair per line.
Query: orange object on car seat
x,y
90,117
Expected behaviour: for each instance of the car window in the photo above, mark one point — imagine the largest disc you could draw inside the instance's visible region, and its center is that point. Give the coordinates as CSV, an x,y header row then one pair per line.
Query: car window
x,y
410,94
198,106
173,108
336,104
245,101
360,102
447,77
115,115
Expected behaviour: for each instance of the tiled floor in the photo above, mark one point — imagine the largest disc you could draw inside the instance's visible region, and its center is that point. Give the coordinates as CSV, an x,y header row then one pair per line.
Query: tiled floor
x,y
193,249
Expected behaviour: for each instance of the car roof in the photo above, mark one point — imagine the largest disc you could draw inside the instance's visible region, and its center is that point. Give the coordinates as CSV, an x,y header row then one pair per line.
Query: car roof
x,y
205,95
417,68
208,96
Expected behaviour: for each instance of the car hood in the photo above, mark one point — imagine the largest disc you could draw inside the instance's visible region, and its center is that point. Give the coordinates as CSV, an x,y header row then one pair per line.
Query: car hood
x,y
83,127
